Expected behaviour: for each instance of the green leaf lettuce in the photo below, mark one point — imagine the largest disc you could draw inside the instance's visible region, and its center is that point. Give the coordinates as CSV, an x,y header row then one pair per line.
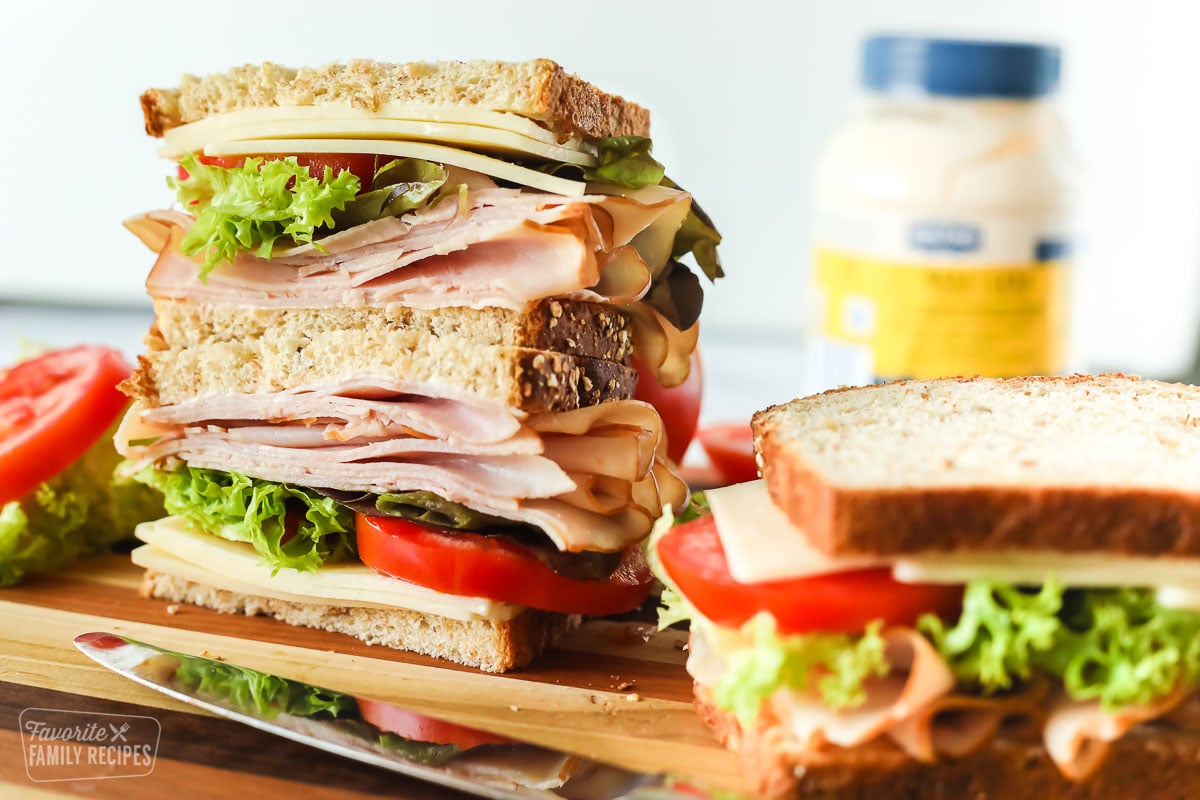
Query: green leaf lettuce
x,y
400,186
257,692
83,510
626,161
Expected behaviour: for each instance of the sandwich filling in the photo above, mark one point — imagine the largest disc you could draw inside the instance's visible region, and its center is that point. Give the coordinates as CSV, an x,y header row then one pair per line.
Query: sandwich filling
x,y
323,442
937,659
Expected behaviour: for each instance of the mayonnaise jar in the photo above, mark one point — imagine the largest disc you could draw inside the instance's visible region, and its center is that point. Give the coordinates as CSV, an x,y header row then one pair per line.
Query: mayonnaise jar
x,y
942,219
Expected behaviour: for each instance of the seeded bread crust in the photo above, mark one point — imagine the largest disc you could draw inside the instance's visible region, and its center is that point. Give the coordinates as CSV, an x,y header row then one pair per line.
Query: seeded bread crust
x,y
1151,761
539,89
554,358
596,330
491,646
813,452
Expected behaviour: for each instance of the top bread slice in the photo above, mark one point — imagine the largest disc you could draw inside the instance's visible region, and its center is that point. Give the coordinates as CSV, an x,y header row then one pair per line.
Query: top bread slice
x,y
1104,463
538,89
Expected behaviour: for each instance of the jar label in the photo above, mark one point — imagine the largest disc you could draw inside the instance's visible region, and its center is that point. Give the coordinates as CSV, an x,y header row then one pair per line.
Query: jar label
x,y
879,319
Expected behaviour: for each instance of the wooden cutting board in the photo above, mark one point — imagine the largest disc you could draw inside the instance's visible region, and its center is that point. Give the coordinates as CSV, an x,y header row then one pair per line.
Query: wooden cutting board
x,y
615,691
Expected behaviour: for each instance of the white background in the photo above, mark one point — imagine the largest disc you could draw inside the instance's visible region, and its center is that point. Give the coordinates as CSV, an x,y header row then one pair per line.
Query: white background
x,y
743,96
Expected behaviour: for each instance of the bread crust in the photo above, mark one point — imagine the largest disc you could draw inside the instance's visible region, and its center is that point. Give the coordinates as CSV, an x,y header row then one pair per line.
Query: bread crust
x,y
539,89
489,645
885,521
839,520
1151,761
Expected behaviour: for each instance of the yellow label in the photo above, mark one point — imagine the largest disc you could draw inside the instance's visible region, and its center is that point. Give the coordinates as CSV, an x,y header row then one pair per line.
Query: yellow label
x,y
923,321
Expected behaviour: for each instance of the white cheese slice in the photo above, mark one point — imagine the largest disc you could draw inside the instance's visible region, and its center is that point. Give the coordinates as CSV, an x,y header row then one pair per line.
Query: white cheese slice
x,y
762,544
1184,597
211,128
1033,567
172,546
449,133
430,152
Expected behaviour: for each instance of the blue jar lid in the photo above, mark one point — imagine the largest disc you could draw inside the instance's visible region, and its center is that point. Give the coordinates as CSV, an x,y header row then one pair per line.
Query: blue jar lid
x,y
959,67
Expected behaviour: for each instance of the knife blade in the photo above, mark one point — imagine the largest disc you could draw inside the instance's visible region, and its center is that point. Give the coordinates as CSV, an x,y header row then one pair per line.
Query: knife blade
x,y
334,722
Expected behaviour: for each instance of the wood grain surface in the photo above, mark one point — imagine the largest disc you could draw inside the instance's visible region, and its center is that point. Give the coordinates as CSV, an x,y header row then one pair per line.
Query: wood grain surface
x,y
615,692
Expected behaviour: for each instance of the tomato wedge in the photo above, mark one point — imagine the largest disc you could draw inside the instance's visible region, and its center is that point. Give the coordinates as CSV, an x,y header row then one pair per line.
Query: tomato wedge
x,y
495,568
843,602
730,449
417,727
52,409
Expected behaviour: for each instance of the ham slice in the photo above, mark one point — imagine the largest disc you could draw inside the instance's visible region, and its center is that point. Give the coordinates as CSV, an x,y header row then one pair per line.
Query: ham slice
x,y
918,677
361,408
508,249
957,725
1077,734
915,706
358,437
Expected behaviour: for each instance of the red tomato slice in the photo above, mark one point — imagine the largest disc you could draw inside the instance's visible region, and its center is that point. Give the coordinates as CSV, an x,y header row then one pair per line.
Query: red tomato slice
x,y
843,602
363,165
730,448
679,406
498,569
52,409
417,727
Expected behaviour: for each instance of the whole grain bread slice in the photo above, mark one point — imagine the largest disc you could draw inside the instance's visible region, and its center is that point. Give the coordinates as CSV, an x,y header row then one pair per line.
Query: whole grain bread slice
x,y
557,356
1160,760
538,89
489,645
1082,463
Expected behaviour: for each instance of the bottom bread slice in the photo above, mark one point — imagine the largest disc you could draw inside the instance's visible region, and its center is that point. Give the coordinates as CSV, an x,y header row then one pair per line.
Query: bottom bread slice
x,y
489,645
1158,760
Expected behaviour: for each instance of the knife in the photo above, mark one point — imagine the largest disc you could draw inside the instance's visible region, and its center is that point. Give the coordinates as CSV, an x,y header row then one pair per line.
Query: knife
x,y
358,728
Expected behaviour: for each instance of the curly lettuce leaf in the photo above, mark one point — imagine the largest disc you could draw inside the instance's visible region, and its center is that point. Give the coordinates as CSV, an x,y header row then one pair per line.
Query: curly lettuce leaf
x,y
1115,645
835,664
252,206
83,510
288,526
1000,631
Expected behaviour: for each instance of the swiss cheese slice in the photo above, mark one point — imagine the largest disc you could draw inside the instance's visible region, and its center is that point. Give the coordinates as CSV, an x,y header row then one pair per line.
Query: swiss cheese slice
x,y
494,167
761,543
173,547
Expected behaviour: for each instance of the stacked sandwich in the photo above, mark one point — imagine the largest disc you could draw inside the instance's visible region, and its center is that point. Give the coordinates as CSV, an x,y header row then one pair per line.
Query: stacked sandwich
x,y
388,387
955,588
